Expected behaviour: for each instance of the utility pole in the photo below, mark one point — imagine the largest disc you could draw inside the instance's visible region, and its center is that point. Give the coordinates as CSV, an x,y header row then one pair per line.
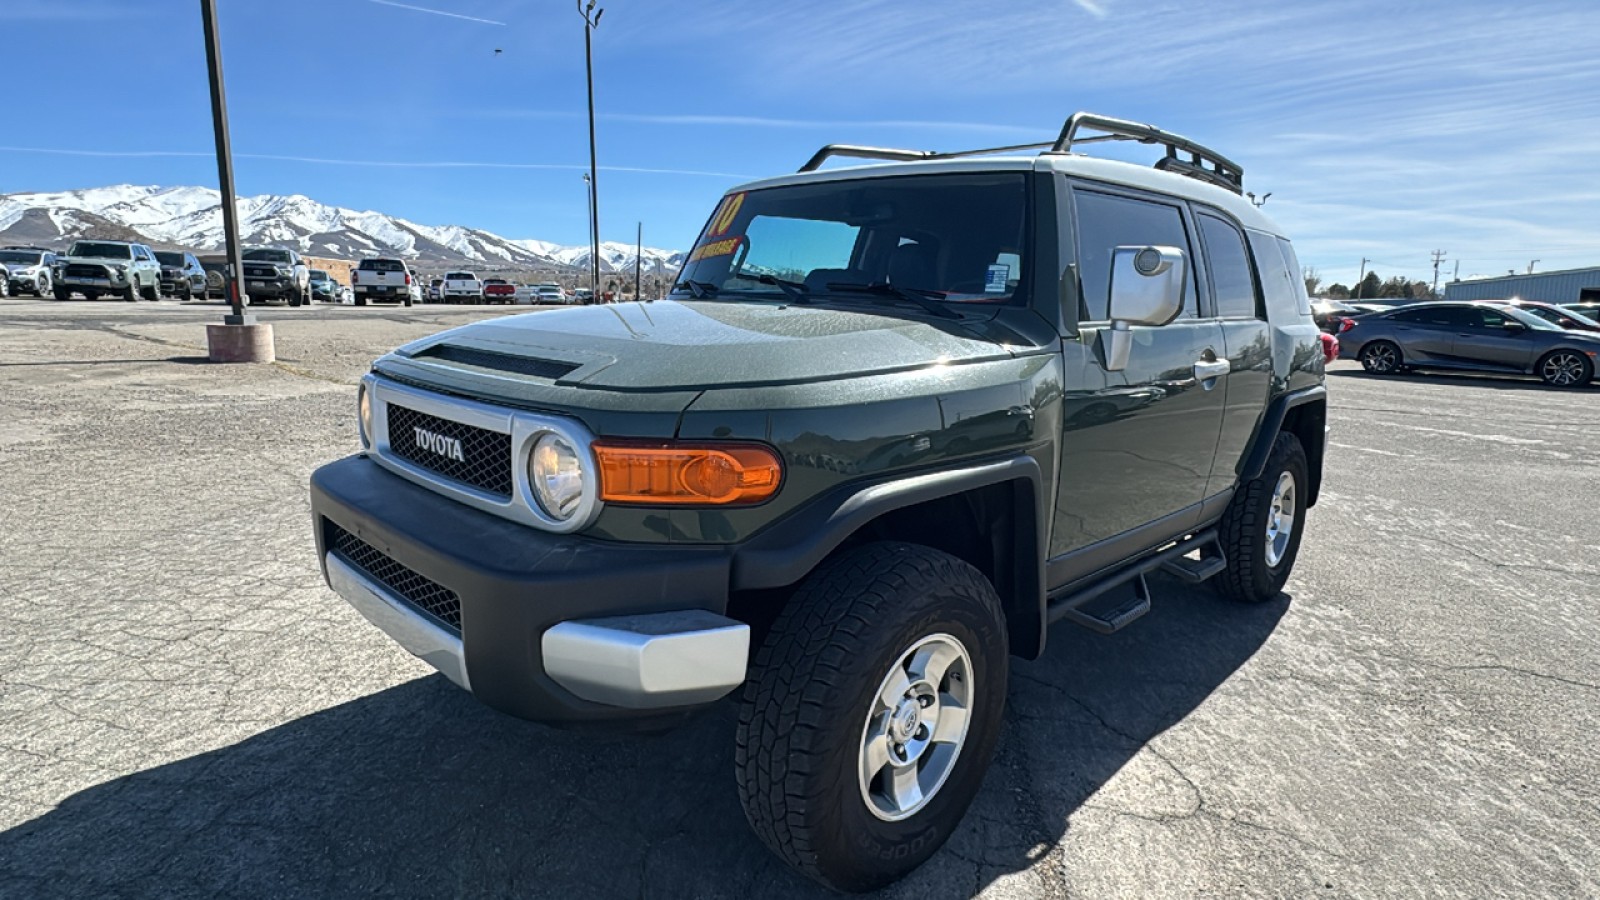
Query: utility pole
x,y
239,338
1530,266
638,262
1438,257
1362,277
591,21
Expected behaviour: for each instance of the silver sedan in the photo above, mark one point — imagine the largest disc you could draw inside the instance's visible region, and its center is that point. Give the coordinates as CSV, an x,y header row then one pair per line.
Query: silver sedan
x,y
1477,337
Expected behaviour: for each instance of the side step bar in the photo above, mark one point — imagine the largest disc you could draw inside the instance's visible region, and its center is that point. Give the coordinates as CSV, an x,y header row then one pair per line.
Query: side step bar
x,y
1115,601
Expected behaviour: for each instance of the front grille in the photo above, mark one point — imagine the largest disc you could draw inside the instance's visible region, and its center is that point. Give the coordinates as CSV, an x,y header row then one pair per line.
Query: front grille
x,y
260,272
464,453
503,362
78,270
423,593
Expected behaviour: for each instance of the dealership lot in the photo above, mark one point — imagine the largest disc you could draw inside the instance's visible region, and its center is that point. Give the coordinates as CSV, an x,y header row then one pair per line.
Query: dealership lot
x,y
189,711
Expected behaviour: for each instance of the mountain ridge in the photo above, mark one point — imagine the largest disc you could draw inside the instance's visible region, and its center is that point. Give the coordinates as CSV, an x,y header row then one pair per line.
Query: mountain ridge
x,y
191,218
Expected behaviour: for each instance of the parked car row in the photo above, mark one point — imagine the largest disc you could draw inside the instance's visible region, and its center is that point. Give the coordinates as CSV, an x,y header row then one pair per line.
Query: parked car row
x,y
1552,342
467,287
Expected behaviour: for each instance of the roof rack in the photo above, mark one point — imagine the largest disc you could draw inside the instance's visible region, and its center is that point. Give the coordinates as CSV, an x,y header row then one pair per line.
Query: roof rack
x,y
1203,163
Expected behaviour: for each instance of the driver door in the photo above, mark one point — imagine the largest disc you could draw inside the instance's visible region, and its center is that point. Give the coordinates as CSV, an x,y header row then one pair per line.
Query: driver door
x,y
1491,338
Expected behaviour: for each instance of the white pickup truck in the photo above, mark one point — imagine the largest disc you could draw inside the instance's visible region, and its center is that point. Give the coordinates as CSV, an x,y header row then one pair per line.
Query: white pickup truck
x,y
462,287
382,279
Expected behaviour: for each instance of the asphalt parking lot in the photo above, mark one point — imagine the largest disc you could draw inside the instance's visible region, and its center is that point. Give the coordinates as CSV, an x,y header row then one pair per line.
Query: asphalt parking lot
x,y
185,709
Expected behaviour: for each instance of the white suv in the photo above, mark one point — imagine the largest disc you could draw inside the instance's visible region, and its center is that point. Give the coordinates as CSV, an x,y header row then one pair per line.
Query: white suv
x,y
462,286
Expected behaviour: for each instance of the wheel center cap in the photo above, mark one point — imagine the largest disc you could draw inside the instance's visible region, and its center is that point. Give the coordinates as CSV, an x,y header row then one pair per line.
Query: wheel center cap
x,y
904,720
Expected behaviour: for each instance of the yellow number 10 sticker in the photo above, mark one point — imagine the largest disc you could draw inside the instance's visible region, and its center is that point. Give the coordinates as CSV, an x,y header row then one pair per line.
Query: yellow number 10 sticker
x,y
726,213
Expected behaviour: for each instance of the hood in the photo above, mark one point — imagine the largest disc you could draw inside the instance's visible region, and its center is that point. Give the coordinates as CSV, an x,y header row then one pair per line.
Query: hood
x,y
93,260
702,345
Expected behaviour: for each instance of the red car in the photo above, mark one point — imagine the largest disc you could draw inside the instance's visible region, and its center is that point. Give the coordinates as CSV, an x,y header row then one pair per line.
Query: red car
x,y
1330,347
1553,314
498,290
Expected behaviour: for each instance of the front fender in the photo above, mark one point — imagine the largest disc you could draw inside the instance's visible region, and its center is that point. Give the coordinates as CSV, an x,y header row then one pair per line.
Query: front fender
x,y
786,552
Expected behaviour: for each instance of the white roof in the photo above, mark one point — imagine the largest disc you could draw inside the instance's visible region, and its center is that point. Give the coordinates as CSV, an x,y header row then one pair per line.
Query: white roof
x,y
1110,171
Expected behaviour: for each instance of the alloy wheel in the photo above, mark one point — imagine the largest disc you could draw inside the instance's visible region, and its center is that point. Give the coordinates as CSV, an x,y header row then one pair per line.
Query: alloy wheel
x,y
1280,518
1562,369
916,727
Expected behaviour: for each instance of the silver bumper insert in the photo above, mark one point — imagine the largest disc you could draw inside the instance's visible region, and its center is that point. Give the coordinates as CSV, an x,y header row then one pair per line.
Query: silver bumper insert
x,y
425,640
648,661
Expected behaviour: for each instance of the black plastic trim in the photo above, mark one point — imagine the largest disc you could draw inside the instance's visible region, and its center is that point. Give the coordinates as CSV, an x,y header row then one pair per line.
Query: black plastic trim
x,y
1251,466
785,553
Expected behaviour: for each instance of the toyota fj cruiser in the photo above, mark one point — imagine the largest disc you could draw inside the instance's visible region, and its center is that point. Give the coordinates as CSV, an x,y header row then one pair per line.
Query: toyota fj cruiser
x,y
891,423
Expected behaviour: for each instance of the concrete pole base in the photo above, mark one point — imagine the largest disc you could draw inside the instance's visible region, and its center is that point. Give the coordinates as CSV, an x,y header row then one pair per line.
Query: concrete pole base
x,y
242,342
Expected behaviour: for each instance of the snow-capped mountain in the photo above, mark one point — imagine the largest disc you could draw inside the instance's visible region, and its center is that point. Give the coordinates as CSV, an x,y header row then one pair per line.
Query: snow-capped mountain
x,y
191,217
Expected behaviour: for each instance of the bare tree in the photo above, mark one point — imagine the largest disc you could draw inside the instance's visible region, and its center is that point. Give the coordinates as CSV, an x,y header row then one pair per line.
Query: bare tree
x,y
1313,280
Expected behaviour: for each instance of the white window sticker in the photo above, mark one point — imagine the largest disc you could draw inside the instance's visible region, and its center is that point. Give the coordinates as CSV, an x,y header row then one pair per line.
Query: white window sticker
x,y
995,281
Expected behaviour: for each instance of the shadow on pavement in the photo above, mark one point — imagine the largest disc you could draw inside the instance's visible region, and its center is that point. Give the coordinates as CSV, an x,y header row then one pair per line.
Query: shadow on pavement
x,y
1458,379
419,791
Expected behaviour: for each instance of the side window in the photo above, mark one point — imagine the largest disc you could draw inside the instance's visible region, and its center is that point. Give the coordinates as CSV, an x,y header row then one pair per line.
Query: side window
x,y
1281,285
1485,318
1297,280
1417,317
1106,222
1231,278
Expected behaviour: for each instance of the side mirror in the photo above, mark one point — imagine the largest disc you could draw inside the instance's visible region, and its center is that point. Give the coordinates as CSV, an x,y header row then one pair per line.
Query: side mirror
x,y
1146,289
1514,325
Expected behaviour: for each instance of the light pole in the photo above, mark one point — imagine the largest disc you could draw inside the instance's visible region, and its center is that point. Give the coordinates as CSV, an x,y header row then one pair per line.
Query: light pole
x,y
591,21
638,262
594,270
239,338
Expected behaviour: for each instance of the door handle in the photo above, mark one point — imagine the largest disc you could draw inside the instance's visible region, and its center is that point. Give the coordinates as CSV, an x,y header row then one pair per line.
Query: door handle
x,y
1205,370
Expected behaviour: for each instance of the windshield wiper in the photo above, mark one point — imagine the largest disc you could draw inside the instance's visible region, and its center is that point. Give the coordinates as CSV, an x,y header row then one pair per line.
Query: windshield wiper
x,y
794,290
888,291
700,289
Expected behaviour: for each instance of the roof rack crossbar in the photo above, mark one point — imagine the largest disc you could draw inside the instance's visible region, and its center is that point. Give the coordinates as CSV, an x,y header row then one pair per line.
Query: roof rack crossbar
x,y
860,152
1222,172
1203,163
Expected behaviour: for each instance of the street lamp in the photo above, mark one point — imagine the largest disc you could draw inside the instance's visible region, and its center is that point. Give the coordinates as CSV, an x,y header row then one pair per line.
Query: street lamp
x,y
240,338
588,191
591,21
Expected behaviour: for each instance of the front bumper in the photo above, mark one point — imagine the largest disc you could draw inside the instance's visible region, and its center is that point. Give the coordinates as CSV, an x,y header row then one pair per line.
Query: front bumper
x,y
553,628
268,289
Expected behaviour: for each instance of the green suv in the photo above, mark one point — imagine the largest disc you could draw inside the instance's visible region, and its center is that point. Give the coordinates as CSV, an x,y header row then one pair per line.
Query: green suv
x,y
892,422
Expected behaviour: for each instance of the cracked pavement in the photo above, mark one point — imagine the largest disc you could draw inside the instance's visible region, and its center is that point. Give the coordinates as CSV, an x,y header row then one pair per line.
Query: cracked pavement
x,y
185,710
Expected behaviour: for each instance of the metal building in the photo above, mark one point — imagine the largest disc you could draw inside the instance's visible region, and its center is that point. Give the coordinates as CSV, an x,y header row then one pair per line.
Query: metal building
x,y
1565,286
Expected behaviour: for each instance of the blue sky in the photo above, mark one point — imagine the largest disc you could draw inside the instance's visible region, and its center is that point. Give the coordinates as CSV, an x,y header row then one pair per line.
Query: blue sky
x,y
1383,130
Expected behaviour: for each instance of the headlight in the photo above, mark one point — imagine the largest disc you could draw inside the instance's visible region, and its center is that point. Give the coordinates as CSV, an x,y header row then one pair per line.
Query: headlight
x,y
364,404
121,270
556,472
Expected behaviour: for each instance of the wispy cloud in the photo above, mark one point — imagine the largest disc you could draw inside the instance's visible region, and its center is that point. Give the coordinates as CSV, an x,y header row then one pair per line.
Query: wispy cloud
x,y
1092,8
371,163
436,12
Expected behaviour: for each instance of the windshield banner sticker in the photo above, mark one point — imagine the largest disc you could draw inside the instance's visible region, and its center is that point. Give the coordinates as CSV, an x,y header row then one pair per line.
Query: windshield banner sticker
x,y
995,281
722,220
716,248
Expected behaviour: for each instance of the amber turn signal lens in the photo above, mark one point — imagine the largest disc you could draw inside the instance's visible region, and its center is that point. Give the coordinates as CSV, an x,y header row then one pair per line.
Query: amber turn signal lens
x,y
687,474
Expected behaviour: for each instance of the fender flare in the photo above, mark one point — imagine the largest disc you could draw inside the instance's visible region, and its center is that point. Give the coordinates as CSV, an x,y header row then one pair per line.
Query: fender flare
x,y
1255,461
786,552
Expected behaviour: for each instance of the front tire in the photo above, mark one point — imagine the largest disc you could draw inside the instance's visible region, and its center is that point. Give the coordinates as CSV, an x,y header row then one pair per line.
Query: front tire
x,y
131,292
872,713
1261,529
62,294
1381,358
152,293
1565,368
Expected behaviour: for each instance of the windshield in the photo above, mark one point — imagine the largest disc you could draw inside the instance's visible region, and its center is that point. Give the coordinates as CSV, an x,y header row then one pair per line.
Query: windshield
x,y
168,258
1529,319
26,257
319,275
267,255
954,237
100,250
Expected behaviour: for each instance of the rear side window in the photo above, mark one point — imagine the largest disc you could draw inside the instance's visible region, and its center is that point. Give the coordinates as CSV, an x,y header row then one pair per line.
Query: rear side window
x,y
1231,278
1281,284
1106,222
